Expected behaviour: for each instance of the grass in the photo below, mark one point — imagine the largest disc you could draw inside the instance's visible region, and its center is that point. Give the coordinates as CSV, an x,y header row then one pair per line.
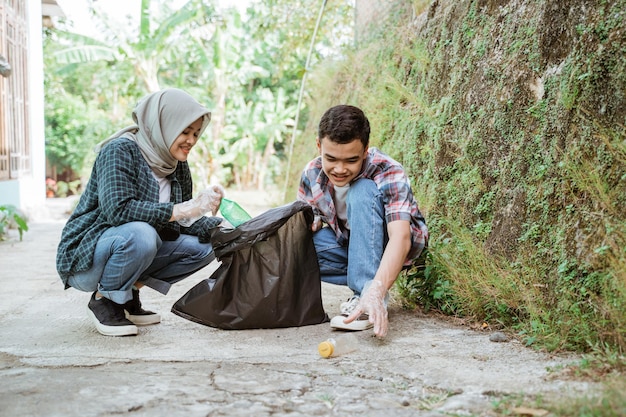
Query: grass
x,y
524,195
610,401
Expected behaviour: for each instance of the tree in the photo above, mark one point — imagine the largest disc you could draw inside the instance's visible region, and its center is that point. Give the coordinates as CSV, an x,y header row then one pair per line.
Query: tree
x,y
247,70
163,37
89,81
258,64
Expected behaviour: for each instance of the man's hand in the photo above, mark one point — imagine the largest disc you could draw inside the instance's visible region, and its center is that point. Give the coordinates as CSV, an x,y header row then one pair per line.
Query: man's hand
x,y
317,223
373,298
373,303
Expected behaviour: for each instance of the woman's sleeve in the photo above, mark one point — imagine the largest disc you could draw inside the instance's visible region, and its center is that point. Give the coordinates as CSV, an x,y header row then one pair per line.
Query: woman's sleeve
x,y
125,193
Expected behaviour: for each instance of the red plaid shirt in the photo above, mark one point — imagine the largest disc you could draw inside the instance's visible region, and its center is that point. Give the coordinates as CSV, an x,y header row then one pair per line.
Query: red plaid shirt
x,y
317,190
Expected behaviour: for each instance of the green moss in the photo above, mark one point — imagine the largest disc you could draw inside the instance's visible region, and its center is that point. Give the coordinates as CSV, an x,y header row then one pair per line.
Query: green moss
x,y
510,120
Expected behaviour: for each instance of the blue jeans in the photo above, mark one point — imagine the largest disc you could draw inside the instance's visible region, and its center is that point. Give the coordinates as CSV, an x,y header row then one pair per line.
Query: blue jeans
x,y
356,264
134,252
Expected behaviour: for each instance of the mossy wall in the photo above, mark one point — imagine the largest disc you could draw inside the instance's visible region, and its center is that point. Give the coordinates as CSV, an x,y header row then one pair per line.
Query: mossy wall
x,y
510,117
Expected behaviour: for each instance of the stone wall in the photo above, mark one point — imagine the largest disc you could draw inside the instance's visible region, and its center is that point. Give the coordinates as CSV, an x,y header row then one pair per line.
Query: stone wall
x,y
370,15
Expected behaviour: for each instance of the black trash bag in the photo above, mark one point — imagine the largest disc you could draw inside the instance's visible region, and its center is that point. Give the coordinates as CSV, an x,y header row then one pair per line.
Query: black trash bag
x,y
269,276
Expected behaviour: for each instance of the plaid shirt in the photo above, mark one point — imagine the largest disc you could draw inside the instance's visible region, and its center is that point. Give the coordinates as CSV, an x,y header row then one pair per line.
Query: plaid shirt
x,y
317,190
122,189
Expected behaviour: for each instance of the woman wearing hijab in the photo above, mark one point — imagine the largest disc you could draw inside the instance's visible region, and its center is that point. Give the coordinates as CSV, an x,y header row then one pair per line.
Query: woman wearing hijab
x,y
136,222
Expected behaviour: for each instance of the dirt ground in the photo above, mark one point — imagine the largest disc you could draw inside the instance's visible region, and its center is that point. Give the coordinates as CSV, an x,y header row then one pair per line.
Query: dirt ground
x,y
54,363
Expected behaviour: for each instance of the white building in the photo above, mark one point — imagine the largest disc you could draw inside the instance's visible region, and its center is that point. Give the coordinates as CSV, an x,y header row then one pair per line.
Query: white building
x,y
22,134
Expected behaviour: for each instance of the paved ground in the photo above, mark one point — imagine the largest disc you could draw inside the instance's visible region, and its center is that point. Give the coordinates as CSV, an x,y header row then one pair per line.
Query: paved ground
x,y
54,363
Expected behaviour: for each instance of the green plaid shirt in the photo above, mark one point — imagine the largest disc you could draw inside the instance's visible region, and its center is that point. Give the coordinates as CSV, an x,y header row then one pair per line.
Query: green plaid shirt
x,y
122,189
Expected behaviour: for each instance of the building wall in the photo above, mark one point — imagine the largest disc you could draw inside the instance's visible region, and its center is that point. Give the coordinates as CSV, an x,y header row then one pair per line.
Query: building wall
x,y
34,195
23,116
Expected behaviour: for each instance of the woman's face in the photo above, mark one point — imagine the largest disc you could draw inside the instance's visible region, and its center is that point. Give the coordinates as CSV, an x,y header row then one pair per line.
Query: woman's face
x,y
185,141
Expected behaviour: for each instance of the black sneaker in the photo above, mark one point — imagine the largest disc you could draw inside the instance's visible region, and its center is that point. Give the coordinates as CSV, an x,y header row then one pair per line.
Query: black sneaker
x,y
138,315
109,317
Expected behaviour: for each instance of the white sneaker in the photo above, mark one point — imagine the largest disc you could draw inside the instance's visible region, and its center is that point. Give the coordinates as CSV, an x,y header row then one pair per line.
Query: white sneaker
x,y
360,323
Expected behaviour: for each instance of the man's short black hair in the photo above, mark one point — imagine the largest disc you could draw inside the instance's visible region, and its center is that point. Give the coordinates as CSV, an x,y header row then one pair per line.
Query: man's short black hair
x,y
344,124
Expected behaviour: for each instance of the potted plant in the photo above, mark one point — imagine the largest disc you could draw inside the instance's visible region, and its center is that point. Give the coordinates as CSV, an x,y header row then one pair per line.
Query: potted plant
x,y
10,216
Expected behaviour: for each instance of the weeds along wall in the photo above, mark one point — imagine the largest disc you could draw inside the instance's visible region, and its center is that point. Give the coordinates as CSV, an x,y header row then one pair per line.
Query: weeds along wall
x,y
510,117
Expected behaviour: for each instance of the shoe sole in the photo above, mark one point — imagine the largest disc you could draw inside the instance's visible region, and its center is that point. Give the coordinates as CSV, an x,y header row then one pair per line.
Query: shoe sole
x,y
129,330
144,320
356,325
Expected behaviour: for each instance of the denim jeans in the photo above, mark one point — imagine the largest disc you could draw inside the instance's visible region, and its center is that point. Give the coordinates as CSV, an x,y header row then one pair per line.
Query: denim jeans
x,y
134,252
355,265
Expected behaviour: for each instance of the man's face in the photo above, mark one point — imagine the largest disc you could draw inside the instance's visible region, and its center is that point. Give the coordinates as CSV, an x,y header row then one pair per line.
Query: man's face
x,y
341,162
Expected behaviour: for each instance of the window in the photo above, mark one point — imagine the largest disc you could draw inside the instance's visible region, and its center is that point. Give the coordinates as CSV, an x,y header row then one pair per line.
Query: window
x,y
14,123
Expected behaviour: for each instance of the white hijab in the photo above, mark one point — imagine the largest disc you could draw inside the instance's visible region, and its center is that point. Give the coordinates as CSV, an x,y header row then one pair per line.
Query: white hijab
x,y
160,118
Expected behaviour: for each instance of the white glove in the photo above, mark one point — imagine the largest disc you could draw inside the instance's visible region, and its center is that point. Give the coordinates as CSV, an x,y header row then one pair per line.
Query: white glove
x,y
190,211
212,197
373,303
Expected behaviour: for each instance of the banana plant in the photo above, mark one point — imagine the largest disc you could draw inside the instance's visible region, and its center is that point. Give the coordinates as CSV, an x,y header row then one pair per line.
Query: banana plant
x,y
253,142
148,48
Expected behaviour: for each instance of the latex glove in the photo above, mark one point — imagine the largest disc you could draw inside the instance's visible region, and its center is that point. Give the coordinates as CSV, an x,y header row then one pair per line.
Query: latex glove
x,y
372,302
190,211
212,198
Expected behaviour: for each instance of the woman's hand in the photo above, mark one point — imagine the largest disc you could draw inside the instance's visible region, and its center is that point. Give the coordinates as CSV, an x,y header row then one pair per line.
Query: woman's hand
x,y
211,198
190,211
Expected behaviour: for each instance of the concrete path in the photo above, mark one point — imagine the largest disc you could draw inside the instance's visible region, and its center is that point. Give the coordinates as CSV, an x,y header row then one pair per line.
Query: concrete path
x,y
54,363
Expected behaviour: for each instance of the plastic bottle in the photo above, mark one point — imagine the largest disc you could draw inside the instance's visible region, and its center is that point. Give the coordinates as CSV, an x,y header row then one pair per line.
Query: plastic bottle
x,y
233,212
337,346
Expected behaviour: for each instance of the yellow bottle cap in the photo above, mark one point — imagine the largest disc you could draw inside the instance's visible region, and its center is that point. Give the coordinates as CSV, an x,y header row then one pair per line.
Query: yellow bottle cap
x,y
325,349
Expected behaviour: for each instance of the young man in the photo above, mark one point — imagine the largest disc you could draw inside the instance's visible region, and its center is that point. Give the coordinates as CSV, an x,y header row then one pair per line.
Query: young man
x,y
368,225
